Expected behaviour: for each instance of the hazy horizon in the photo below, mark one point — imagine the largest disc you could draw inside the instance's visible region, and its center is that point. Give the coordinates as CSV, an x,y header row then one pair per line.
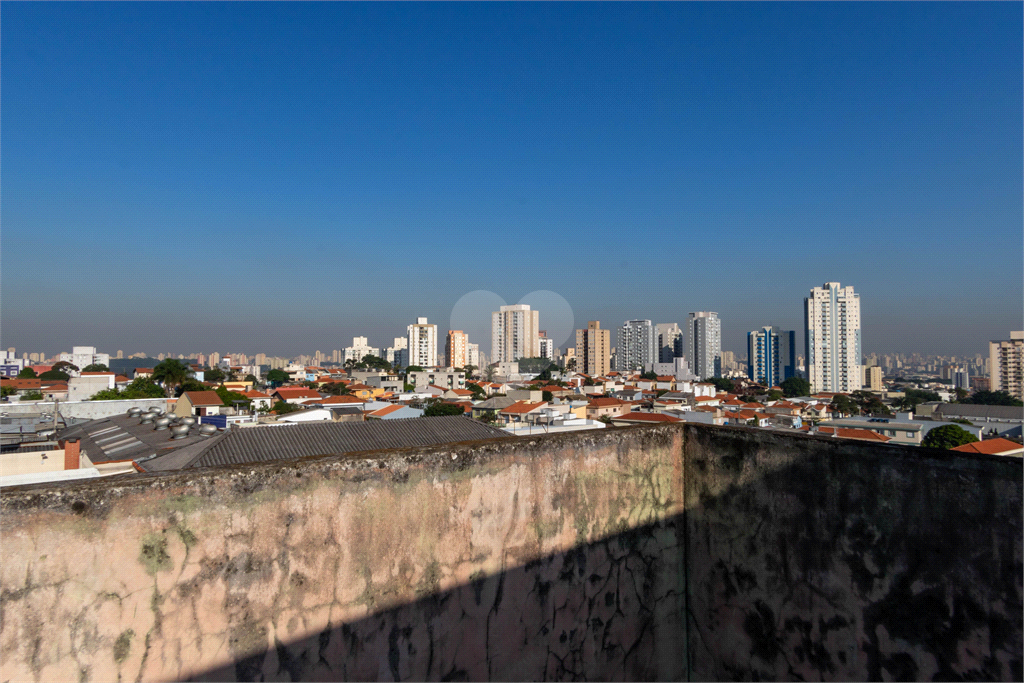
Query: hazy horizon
x,y
279,178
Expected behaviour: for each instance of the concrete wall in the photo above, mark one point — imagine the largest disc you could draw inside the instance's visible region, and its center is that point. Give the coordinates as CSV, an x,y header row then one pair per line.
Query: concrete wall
x,y
84,410
566,556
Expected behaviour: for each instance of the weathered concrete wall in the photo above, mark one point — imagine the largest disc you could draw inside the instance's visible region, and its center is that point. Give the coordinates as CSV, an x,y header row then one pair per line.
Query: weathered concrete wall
x,y
511,558
83,410
567,556
819,559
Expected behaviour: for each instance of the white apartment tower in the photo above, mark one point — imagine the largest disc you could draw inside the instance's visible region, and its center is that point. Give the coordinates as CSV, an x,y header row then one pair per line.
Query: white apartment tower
x,y
514,333
423,344
832,338
1006,365
636,348
360,347
704,344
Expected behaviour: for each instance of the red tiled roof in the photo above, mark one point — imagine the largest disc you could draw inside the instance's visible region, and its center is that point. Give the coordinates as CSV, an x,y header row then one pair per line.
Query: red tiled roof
x,y
204,398
359,387
22,383
255,394
990,447
647,417
605,402
90,374
121,378
522,407
138,370
387,410
289,392
342,400
849,433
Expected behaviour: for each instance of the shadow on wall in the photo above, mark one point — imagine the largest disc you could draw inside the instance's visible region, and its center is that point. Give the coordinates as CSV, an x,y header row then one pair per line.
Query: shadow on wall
x,y
849,562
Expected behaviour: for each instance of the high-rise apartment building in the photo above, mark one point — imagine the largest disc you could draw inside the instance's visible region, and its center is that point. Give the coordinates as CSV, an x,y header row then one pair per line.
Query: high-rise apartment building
x,y
422,344
832,338
360,347
473,355
671,342
771,355
593,350
1005,362
873,378
547,346
636,348
514,333
398,353
455,347
704,344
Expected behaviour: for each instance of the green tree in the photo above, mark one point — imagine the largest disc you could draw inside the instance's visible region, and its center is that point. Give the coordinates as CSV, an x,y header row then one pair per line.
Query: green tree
x,y
948,436
774,395
27,373
32,396
441,409
283,408
532,365
61,365
190,384
413,368
213,375
478,393
845,405
7,390
55,374
229,397
469,370
546,395
277,377
171,372
651,374
252,378
408,387
376,362
96,367
988,398
723,384
335,389
795,386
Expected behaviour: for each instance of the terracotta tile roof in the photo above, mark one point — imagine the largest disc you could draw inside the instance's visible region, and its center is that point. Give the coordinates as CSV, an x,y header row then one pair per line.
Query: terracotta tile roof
x,y
23,383
523,407
121,378
90,374
991,447
705,399
847,433
204,398
387,410
666,378
462,392
359,387
255,394
605,402
342,400
753,405
55,385
138,370
295,392
646,417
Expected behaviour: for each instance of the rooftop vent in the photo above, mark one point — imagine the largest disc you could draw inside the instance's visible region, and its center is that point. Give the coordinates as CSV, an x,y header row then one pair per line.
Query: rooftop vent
x,y
179,432
161,423
207,430
147,418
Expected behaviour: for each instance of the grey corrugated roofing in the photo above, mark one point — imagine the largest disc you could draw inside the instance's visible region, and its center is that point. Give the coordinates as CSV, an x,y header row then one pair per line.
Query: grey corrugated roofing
x,y
969,410
264,443
121,437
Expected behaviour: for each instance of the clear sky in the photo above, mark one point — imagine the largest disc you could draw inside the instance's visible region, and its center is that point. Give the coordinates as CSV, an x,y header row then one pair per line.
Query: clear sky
x,y
281,177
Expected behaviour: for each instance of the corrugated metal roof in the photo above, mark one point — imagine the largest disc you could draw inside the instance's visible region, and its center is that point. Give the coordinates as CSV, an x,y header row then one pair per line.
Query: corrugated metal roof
x,y
261,444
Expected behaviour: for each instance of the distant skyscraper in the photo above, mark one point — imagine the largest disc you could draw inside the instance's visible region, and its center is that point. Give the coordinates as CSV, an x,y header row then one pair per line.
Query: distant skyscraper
x,y
514,333
360,347
636,348
832,338
120,354
473,355
422,344
873,378
398,353
1006,365
547,346
771,355
593,352
670,342
704,344
455,347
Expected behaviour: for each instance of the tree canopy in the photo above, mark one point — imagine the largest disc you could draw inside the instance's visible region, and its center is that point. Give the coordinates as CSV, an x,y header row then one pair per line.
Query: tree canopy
x,y
171,372
229,397
992,398
283,408
722,384
55,374
61,364
96,367
532,365
214,375
795,386
441,409
190,384
845,405
478,393
413,368
277,377
141,387
948,436
27,373
650,374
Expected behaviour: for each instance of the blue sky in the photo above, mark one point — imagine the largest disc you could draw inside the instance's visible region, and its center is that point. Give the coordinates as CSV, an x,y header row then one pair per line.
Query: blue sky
x,y
281,177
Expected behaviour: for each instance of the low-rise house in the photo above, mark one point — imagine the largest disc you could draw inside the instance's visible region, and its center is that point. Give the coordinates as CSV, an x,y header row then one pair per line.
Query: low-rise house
x,y
520,411
54,390
364,391
490,408
458,395
852,433
198,403
142,372
394,412
995,446
23,386
637,417
607,407
260,400
294,395
785,420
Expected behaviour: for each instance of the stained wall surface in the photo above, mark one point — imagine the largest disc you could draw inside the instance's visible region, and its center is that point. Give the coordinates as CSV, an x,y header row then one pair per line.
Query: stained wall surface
x,y
671,552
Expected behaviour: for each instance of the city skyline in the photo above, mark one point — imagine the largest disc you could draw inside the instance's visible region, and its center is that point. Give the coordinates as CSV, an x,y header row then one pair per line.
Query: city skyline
x,y
751,152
